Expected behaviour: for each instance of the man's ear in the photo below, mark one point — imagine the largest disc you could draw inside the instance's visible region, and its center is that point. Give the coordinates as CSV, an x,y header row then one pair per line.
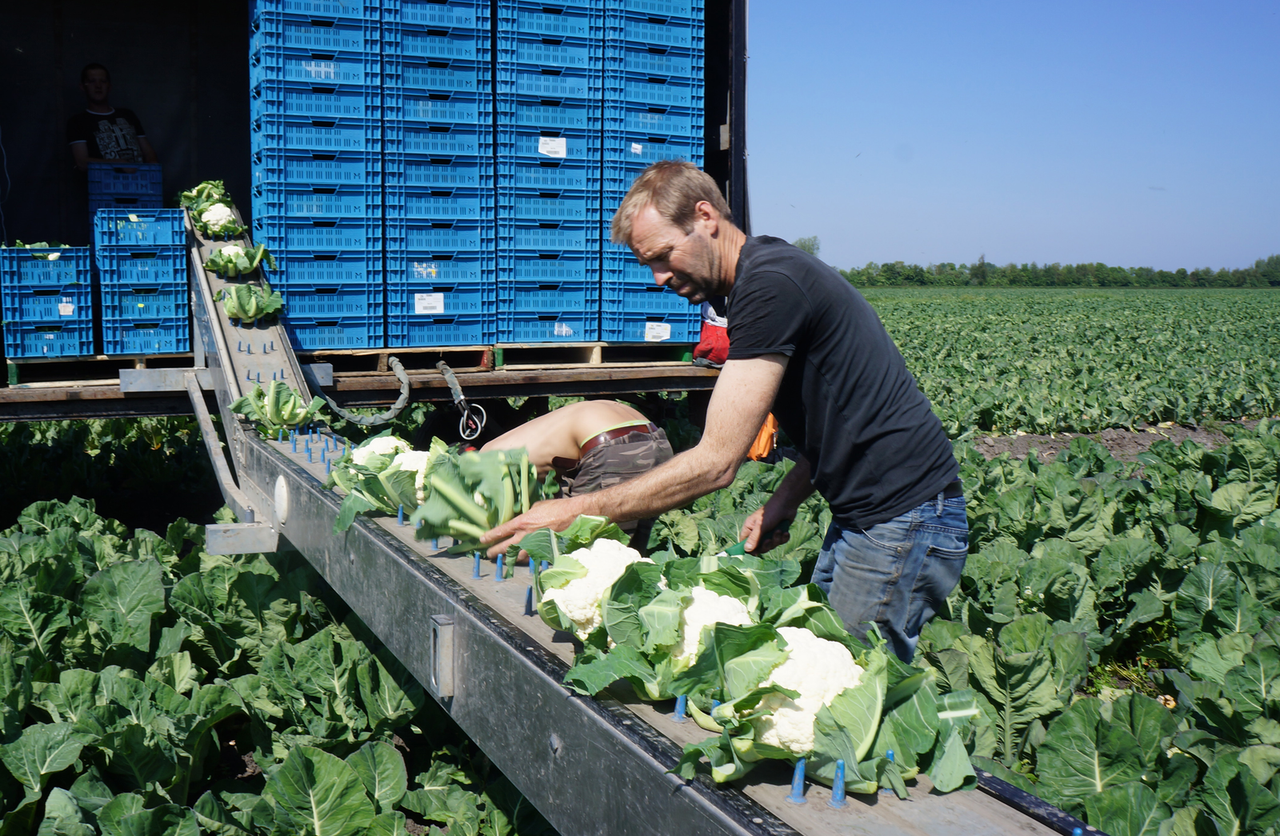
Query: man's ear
x,y
706,215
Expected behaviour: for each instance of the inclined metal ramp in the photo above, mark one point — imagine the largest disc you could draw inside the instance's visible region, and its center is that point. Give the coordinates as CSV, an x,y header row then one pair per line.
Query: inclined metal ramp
x,y
590,765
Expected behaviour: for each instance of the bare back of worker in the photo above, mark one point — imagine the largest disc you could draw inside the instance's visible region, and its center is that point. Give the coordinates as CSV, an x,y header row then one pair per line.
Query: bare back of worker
x,y
561,433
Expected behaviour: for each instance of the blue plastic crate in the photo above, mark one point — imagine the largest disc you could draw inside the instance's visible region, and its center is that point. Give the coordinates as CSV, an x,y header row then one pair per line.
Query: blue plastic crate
x,y
146,336
48,339
548,175
318,233
572,207
280,63
534,52
535,114
552,20
145,301
145,228
462,43
638,29
316,34
547,236
577,327
653,120
438,14
299,267
416,299
658,8
331,134
618,296
634,150
440,204
442,76
314,100
439,236
644,327
414,145
22,267
323,199
128,202
46,302
125,180
278,166
473,267
447,172
441,107
651,62
120,265
328,301
655,90
412,331
548,296
313,9
316,333
548,267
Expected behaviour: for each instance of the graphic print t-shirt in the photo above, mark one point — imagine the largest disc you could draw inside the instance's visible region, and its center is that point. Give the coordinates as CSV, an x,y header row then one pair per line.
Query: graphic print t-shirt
x,y
109,136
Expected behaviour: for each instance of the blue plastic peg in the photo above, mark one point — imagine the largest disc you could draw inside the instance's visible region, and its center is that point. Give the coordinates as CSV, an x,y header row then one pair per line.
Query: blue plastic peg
x,y
533,566
259,377
308,454
293,436
682,703
1075,831
280,435
264,348
528,602
889,754
328,468
476,573
399,514
500,575
837,787
797,784
545,566
248,375
248,349
239,347
322,449
714,703
273,345
435,541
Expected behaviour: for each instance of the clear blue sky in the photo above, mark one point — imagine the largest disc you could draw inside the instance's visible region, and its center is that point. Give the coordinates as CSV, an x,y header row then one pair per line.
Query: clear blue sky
x,y
1136,134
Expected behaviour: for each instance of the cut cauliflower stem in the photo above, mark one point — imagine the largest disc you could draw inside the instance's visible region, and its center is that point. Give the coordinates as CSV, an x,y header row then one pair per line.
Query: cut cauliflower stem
x,y
819,670
216,216
580,598
387,445
704,609
415,460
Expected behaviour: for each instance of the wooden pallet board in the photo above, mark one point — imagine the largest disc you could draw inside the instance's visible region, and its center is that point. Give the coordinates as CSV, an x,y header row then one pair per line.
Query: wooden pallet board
x,y
97,370
581,355
376,360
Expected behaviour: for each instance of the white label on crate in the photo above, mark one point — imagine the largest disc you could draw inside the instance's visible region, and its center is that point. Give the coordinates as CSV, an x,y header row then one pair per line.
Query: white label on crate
x,y
553,146
66,309
133,218
428,303
656,332
637,148
562,329
424,269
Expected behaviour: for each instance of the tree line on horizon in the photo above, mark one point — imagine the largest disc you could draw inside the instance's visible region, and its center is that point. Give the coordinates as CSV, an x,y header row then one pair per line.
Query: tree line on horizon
x,y
1265,272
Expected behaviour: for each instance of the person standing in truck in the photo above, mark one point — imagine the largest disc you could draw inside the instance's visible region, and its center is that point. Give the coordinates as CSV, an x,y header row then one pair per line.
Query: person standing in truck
x,y
103,133
806,345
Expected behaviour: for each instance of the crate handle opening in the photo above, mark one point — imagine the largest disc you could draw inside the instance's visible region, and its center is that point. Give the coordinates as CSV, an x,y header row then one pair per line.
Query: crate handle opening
x,y
442,192
552,41
549,256
324,257
48,329
551,71
437,33
323,123
324,190
324,56
138,256
324,91
440,129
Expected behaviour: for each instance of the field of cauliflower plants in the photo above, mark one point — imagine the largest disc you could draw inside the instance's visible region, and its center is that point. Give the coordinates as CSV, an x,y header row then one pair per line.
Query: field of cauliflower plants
x,y
1113,646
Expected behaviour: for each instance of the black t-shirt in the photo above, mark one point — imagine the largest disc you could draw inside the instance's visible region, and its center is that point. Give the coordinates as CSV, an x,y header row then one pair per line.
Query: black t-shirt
x,y
109,136
847,400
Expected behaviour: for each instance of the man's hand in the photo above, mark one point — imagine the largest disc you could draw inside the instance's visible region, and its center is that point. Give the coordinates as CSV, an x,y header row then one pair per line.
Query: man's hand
x,y
555,514
764,521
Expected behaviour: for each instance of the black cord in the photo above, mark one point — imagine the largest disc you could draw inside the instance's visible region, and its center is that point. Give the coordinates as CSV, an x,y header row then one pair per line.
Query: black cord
x,y
382,417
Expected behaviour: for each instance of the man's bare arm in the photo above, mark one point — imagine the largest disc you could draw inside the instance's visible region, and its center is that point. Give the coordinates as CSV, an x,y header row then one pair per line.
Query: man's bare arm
x,y
742,398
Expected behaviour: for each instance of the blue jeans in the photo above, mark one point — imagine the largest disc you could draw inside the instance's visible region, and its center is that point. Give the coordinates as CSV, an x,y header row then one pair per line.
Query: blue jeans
x,y
895,574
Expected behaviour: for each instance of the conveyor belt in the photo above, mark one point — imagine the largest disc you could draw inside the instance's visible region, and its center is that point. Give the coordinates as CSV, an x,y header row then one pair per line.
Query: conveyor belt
x,y
589,765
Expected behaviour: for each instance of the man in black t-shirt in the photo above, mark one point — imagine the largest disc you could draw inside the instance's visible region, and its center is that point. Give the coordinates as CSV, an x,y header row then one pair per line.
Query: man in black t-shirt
x,y
806,345
102,133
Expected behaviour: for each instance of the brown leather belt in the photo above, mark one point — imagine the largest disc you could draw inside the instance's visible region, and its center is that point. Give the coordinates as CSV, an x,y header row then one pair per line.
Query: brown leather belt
x,y
610,435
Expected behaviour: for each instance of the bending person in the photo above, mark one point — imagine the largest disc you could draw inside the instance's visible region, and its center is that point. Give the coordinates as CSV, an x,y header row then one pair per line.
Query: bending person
x,y
592,445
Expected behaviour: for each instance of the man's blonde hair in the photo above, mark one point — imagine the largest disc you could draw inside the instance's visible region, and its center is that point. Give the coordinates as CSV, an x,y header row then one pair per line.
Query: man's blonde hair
x,y
674,188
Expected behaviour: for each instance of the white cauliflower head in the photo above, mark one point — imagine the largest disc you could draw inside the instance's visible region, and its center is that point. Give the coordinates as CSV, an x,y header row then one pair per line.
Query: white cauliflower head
x,y
704,609
232,250
216,216
819,669
580,599
415,460
384,445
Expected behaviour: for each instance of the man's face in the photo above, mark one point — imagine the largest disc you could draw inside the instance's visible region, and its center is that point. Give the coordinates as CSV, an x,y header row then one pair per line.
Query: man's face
x,y
688,263
96,86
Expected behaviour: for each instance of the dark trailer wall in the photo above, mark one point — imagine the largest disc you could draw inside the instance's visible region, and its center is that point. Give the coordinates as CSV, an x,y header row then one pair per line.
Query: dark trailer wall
x,y
183,68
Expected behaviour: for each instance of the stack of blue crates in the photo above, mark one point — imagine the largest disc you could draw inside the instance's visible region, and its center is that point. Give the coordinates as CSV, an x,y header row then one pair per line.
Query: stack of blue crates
x,y
438,163
142,277
654,105
124,186
315,72
46,302
550,67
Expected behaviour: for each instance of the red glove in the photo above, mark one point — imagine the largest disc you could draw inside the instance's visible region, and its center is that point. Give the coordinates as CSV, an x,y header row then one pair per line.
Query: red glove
x,y
713,344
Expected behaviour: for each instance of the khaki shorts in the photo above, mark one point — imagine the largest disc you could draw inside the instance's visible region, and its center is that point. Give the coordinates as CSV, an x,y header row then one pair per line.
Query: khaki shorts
x,y
614,462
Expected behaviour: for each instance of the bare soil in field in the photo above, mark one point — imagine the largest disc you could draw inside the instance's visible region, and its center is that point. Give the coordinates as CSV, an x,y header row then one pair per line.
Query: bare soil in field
x,y
1125,445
